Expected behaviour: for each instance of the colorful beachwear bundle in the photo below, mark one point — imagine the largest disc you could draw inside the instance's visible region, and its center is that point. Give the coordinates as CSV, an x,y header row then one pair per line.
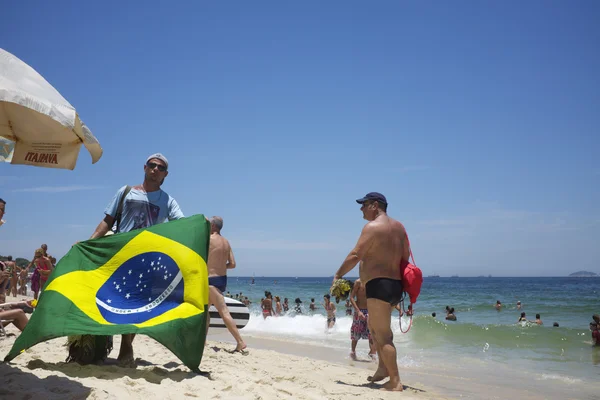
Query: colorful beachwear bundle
x,y
341,289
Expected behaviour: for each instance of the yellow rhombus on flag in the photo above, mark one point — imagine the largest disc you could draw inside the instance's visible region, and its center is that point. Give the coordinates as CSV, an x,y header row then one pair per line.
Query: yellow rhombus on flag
x,y
151,281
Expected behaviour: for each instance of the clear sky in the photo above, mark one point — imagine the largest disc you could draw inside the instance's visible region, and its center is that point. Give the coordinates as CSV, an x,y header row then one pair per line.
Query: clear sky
x,y
479,120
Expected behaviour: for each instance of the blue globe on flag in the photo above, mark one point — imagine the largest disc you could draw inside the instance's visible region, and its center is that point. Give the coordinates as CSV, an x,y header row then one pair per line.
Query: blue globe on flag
x,y
142,288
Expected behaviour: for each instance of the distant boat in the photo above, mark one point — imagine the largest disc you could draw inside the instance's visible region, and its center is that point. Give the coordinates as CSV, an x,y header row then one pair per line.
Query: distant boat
x,y
434,276
454,276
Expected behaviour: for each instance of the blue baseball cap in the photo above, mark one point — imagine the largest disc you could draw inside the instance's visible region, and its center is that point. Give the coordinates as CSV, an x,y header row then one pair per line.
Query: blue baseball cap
x,y
374,196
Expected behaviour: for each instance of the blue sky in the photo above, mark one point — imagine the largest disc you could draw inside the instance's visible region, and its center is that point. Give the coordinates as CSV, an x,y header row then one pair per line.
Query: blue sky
x,y
478,120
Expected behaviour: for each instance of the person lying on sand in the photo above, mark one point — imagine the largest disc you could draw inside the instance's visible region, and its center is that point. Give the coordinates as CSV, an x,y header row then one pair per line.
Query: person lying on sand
x,y
14,315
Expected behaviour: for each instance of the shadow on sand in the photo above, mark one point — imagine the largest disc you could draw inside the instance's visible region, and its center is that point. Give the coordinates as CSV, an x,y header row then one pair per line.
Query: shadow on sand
x,y
110,370
17,384
372,385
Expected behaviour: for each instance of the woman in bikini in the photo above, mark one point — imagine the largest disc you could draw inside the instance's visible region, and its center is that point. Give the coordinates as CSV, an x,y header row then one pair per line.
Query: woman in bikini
x,y
43,267
267,305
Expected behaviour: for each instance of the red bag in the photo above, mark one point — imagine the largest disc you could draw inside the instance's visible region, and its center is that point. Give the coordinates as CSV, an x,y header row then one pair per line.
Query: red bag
x,y
412,277
412,280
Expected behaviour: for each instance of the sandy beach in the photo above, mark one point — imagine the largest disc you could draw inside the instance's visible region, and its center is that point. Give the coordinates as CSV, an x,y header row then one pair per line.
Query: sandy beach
x,y
262,374
273,369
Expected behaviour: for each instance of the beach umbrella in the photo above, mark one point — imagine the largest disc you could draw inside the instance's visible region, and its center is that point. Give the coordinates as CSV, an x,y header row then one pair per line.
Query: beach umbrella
x,y
37,125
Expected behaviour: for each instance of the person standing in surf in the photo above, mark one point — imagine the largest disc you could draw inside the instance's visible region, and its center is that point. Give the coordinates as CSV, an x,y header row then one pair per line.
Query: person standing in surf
x,y
360,328
144,205
330,308
381,249
220,259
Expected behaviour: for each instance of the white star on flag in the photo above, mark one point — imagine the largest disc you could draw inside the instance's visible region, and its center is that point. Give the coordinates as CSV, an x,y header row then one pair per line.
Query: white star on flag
x,y
127,296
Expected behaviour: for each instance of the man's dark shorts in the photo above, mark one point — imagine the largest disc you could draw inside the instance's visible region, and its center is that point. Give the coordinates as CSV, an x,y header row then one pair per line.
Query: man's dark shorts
x,y
220,282
385,289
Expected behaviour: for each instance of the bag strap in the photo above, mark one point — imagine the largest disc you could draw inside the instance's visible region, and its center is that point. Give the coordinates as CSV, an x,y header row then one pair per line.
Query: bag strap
x,y
410,249
119,213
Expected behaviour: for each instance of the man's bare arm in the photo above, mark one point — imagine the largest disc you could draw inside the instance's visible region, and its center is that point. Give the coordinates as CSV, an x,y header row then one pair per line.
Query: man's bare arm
x,y
230,259
364,243
103,227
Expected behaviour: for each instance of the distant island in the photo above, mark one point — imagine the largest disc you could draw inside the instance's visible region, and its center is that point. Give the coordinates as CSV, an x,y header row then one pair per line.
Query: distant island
x,y
583,274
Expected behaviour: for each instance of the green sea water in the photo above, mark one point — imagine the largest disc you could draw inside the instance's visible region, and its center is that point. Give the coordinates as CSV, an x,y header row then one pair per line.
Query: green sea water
x,y
482,335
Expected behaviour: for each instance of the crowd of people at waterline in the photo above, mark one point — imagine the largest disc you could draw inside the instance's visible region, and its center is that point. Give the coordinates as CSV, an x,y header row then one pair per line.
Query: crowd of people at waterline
x,y
381,248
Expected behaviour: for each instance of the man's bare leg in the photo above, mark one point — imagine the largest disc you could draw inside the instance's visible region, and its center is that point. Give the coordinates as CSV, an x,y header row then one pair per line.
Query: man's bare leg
x,y
216,298
125,357
381,372
353,353
380,318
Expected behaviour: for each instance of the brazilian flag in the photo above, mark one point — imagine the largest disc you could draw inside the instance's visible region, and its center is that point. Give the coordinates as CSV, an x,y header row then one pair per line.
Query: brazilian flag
x,y
152,281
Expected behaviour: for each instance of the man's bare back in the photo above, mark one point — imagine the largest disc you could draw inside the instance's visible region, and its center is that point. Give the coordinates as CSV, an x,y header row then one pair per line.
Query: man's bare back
x,y
387,248
220,256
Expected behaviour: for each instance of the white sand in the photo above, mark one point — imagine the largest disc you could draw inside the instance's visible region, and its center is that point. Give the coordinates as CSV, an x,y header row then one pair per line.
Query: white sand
x,y
41,373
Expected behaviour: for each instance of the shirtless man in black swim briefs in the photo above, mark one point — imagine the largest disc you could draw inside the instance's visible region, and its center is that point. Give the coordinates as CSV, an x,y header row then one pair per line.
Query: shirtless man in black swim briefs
x,y
381,248
220,259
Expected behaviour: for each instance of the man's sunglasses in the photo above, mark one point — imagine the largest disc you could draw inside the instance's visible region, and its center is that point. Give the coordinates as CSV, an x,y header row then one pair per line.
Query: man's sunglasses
x,y
152,165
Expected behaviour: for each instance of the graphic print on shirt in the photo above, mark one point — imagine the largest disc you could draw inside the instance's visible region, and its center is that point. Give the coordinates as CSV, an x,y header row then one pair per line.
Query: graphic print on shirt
x,y
142,213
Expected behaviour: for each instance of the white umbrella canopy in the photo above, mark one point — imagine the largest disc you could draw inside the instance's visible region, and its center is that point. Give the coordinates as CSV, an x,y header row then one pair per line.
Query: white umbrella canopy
x,y
37,125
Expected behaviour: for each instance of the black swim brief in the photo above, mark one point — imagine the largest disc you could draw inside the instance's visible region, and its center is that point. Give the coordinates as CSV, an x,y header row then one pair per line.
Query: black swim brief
x,y
385,289
220,282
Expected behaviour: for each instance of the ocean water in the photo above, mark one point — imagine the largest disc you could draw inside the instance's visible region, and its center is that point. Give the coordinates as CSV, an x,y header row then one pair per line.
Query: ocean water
x,y
481,337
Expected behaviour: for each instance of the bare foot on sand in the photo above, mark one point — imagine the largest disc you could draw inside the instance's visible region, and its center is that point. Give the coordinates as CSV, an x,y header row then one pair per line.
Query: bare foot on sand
x,y
126,360
390,387
241,348
378,376
353,355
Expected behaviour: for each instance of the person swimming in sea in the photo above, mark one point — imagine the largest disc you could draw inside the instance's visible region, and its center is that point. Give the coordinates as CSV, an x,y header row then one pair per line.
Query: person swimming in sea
x,y
297,308
522,318
450,316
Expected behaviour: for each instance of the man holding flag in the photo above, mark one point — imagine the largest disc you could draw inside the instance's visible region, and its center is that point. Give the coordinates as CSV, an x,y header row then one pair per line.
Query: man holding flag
x,y
142,206
151,279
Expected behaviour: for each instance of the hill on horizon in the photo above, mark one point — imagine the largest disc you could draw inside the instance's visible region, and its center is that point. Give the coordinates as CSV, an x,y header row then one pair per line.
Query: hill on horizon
x,y
584,273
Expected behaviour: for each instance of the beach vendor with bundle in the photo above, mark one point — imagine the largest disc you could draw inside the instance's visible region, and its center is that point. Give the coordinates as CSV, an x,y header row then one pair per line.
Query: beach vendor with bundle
x,y
381,249
143,206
